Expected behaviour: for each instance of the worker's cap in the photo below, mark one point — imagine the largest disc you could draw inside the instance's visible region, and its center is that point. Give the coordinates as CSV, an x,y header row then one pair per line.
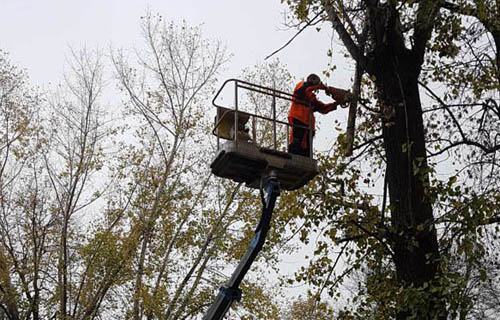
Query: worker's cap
x,y
313,77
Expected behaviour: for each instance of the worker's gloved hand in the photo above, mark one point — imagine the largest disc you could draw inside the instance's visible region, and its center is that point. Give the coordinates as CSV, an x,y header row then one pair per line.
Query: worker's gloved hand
x,y
322,86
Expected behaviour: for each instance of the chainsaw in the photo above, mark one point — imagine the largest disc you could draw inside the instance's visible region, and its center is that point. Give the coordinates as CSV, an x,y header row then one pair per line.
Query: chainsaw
x,y
343,97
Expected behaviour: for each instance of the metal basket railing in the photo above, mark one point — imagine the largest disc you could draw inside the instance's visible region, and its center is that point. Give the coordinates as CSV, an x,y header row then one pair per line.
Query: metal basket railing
x,y
225,113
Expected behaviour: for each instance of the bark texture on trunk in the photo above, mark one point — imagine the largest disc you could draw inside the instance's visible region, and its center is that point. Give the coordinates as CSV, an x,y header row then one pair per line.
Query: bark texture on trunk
x,y
414,240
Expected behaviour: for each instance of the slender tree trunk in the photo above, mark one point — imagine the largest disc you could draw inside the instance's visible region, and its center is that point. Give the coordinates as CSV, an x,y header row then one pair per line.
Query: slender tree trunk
x,y
63,273
140,273
36,266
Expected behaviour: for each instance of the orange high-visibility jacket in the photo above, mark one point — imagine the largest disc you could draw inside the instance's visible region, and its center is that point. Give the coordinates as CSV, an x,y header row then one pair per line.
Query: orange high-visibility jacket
x,y
304,103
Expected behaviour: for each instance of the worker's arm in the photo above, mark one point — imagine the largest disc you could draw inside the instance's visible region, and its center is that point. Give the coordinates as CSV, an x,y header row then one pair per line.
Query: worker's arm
x,y
328,107
317,105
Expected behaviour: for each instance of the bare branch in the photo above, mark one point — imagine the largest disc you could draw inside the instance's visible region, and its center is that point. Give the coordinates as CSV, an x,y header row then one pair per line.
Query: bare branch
x,y
309,23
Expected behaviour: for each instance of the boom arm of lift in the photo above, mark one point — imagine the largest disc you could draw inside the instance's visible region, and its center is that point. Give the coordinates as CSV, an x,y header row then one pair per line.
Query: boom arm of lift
x,y
227,294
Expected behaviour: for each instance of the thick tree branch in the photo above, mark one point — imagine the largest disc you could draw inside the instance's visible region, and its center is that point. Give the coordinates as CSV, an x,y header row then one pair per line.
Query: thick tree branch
x,y
345,37
424,24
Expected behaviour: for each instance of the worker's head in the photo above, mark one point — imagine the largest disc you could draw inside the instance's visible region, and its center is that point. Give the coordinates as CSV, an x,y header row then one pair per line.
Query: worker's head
x,y
313,79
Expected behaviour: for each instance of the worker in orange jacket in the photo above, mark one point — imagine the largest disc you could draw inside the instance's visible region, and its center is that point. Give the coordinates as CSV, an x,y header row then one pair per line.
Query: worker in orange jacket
x,y
301,114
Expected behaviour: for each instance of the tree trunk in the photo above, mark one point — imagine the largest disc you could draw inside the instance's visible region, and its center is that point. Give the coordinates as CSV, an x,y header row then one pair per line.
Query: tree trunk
x,y
404,145
414,238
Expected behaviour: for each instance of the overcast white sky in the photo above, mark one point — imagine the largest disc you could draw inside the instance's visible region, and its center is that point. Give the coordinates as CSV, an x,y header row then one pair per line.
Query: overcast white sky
x,y
37,33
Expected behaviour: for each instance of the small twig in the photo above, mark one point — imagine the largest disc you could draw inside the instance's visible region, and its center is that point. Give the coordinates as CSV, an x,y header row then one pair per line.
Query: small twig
x,y
374,235
368,142
309,23
320,291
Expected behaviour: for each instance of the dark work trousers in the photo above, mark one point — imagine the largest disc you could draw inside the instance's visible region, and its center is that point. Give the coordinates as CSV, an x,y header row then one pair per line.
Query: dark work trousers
x,y
298,132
